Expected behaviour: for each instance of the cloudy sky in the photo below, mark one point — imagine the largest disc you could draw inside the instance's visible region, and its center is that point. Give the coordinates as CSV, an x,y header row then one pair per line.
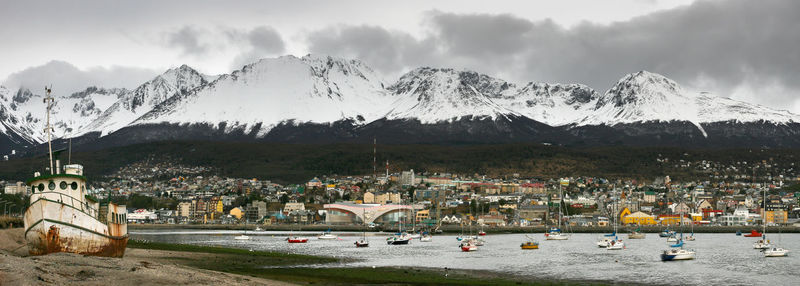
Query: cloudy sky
x,y
747,50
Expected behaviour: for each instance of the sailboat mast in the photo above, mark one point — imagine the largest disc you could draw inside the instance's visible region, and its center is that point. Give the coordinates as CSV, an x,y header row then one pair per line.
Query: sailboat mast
x,y
49,100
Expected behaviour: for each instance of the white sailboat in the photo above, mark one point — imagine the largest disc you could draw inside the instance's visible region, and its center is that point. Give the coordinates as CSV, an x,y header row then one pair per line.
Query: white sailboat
x,y
763,243
773,251
676,251
363,242
616,243
555,233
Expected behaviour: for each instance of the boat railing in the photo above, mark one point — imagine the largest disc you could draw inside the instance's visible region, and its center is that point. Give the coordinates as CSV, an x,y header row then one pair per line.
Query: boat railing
x,y
81,205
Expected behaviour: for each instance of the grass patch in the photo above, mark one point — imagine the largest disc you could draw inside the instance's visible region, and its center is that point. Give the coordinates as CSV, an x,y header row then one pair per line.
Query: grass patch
x,y
237,256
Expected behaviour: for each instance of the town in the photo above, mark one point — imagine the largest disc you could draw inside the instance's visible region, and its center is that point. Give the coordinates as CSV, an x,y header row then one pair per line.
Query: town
x,y
161,191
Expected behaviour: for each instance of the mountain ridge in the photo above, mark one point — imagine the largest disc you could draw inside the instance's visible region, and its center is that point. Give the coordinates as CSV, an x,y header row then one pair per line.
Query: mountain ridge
x,y
314,92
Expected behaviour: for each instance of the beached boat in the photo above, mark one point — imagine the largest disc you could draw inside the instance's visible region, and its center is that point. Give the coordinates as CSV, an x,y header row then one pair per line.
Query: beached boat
x,y
63,217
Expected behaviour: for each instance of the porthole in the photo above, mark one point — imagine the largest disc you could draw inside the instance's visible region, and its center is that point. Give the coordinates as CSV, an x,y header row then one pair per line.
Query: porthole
x,y
51,185
63,185
41,187
74,186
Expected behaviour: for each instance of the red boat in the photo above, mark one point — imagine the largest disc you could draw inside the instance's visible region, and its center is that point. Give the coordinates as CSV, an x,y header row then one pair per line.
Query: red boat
x,y
753,233
482,233
297,240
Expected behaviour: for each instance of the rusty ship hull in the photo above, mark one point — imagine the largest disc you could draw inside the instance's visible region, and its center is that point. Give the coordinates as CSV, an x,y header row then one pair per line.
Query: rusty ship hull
x,y
54,224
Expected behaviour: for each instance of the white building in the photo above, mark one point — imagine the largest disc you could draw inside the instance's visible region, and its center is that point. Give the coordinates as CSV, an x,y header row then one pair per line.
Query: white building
x,y
142,215
18,188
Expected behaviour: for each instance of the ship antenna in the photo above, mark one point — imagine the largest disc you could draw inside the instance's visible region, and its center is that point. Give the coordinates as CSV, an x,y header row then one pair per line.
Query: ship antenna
x,y
49,101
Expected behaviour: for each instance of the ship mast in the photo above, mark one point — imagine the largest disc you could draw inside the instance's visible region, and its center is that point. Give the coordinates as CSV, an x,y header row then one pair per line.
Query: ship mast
x,y
49,101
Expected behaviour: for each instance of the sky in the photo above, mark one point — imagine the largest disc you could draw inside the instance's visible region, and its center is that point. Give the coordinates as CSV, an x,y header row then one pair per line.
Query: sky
x,y
746,50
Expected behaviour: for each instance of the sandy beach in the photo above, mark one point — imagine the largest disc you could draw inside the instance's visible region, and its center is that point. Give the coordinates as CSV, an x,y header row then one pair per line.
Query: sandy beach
x,y
138,267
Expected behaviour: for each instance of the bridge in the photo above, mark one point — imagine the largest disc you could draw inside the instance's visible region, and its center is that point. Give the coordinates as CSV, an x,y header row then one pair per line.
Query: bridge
x,y
367,213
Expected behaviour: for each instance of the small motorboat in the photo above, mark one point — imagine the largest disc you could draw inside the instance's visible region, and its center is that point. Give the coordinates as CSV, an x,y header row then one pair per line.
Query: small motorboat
x,y
677,254
362,243
468,246
776,252
616,245
604,241
672,239
242,237
482,233
295,239
666,233
327,236
636,235
426,238
762,244
258,229
398,239
738,233
530,244
753,233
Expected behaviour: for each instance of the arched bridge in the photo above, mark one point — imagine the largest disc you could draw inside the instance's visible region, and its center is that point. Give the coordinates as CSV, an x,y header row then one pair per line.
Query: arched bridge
x,y
368,213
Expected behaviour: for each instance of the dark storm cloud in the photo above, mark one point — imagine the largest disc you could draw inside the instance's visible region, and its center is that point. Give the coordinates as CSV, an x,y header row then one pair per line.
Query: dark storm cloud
x,y
261,41
716,45
65,78
388,51
188,39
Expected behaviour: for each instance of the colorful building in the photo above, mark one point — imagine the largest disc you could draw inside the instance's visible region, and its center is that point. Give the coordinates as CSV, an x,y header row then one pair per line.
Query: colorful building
x,y
639,218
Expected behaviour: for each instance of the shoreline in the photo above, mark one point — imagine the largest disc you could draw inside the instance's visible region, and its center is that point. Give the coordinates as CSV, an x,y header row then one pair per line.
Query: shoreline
x,y
152,263
455,229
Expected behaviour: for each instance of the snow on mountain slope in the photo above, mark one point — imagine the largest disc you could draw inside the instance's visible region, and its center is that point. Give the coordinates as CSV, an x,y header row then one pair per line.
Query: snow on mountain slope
x,y
647,97
25,111
134,104
552,104
433,95
312,89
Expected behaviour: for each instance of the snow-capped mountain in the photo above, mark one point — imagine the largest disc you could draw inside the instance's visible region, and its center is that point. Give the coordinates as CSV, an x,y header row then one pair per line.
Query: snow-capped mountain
x,y
553,104
132,105
435,95
262,95
649,97
322,98
23,111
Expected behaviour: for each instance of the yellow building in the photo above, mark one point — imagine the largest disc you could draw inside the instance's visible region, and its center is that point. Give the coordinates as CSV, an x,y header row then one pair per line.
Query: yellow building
x,y
219,206
369,198
779,216
625,212
237,212
639,218
423,215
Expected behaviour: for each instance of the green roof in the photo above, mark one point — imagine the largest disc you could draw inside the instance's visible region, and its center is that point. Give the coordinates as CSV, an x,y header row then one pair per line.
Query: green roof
x,y
45,177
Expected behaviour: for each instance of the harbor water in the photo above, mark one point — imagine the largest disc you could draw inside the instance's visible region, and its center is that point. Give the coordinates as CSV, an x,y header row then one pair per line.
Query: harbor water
x,y
721,258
